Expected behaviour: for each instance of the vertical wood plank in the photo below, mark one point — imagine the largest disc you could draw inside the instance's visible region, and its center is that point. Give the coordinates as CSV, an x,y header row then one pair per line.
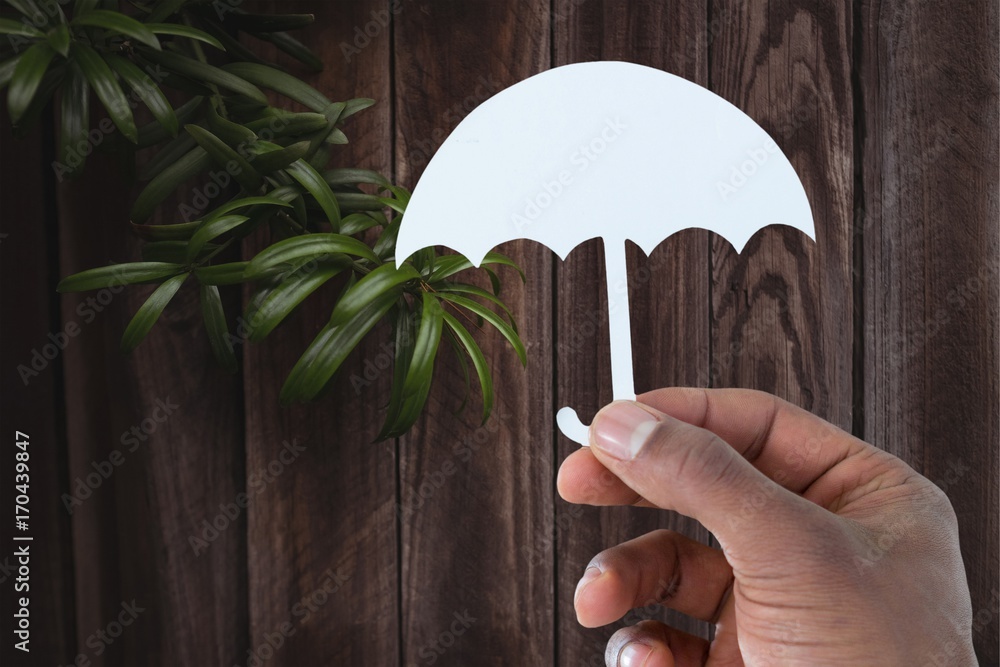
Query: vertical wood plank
x,y
168,436
782,309
32,398
668,298
322,541
476,502
929,81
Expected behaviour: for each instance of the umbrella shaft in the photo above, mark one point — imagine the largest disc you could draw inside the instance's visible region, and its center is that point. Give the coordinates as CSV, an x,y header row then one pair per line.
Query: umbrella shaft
x,y
619,328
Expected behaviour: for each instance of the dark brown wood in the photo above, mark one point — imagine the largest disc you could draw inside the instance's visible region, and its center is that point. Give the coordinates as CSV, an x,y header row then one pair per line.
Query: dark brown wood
x,y
32,388
322,535
929,81
477,524
171,438
668,297
782,309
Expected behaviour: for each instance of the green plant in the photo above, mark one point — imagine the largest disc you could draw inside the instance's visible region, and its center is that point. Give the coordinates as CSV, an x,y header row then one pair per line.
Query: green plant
x,y
324,223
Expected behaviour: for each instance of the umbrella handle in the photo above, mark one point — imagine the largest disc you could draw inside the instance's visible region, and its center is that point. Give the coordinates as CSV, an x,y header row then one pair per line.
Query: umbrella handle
x,y
620,334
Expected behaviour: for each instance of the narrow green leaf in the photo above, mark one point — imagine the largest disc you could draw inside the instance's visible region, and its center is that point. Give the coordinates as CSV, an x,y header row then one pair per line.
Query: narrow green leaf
x,y
118,23
59,39
311,180
404,333
167,181
214,314
329,349
357,223
358,201
478,362
304,248
178,232
449,265
200,71
348,176
232,133
227,158
482,311
210,230
383,279
292,291
20,28
103,81
118,274
352,107
418,378
74,122
279,82
464,288
273,198
28,73
180,30
283,124
268,161
7,71
221,274
174,252
147,91
294,48
149,312
154,132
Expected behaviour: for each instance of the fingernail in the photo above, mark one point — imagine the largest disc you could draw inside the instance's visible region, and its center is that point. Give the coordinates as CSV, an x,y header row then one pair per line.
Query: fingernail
x,y
634,655
588,576
621,429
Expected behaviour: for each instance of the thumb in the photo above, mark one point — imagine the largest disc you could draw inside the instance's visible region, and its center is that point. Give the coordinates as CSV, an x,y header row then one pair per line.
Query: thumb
x,y
679,466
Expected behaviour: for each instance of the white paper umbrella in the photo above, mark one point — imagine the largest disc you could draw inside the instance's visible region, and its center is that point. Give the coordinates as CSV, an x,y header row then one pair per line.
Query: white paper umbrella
x,y
603,149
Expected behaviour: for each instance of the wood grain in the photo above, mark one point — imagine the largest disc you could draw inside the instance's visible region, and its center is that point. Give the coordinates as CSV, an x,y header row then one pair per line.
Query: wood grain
x,y
177,432
929,82
33,402
477,525
668,299
321,535
782,309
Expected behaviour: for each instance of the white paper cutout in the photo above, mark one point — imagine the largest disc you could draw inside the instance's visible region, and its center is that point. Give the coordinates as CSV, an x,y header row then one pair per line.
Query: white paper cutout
x,y
602,149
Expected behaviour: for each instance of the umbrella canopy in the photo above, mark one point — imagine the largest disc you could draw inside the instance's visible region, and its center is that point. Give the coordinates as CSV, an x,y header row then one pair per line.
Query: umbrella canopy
x,y
603,149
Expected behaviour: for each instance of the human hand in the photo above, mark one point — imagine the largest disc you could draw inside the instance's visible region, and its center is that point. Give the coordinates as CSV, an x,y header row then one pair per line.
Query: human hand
x,y
833,551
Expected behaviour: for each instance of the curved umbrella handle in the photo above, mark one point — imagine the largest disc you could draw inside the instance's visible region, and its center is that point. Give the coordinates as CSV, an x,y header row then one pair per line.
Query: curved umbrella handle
x,y
571,426
620,337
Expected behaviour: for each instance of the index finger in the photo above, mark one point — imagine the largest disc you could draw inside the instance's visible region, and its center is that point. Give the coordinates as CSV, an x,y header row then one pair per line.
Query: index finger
x,y
790,445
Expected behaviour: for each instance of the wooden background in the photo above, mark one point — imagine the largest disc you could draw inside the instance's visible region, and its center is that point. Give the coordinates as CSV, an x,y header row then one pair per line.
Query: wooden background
x,y
886,326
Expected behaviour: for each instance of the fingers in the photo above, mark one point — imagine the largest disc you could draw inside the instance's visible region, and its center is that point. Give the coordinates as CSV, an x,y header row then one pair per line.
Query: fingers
x,y
585,481
788,444
662,566
653,644
676,465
